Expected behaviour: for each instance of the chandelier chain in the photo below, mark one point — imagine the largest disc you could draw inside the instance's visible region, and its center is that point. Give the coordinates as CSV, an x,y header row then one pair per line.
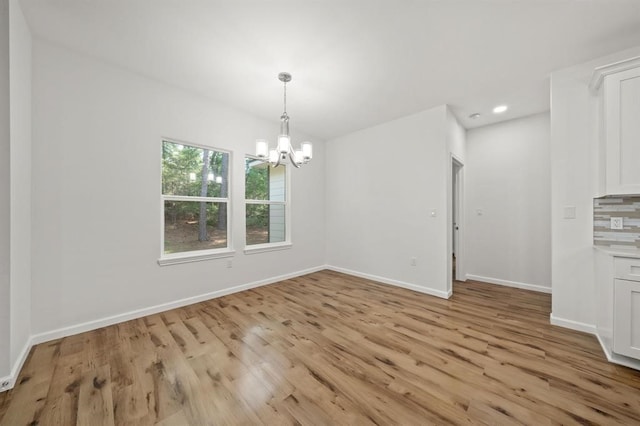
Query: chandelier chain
x,y
285,97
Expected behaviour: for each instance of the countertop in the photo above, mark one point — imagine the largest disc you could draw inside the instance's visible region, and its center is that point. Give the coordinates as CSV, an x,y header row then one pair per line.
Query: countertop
x,y
621,252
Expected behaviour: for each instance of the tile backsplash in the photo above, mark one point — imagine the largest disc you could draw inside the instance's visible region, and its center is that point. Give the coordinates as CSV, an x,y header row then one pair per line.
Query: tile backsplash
x,y
626,207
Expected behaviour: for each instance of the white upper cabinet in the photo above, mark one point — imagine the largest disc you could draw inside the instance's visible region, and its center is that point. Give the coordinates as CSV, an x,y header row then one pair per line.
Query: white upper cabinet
x,y
621,121
622,131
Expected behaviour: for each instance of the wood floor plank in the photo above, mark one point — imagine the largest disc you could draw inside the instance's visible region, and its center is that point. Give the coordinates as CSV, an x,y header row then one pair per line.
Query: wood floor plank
x,y
34,380
61,406
95,401
329,348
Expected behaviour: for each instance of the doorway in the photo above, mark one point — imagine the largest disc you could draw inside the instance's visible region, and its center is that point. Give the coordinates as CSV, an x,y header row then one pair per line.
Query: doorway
x,y
457,221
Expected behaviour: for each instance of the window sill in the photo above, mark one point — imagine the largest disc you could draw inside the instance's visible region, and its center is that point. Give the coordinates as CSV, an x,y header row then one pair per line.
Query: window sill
x,y
187,258
263,248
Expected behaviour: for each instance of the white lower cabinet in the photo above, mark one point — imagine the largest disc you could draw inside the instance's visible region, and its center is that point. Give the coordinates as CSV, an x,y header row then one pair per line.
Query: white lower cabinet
x,y
626,312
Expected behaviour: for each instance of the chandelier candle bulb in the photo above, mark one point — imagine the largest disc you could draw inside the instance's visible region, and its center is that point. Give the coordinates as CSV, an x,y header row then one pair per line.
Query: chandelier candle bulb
x,y
284,144
274,156
262,148
307,151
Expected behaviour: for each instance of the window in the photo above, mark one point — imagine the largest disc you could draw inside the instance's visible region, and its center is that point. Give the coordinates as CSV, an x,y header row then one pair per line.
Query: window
x,y
267,212
195,201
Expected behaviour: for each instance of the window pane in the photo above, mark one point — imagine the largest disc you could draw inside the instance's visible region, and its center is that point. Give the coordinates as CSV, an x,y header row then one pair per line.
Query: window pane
x,y
265,223
277,185
276,223
263,182
184,231
193,171
256,186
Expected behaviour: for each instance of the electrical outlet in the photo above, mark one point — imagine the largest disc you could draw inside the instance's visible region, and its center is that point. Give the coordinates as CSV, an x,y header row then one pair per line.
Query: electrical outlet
x,y
617,223
229,263
413,261
4,384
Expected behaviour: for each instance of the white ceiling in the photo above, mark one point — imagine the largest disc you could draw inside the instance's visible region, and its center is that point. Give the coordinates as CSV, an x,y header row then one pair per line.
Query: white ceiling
x,y
355,63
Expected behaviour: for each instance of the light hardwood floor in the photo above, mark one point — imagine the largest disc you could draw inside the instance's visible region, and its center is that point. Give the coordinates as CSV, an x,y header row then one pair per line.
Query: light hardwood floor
x,y
328,348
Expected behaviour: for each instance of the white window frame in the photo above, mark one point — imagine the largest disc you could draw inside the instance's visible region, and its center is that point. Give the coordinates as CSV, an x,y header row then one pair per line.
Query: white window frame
x,y
282,245
196,255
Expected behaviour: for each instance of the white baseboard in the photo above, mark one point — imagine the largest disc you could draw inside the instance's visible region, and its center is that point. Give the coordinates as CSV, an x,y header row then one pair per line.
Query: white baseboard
x,y
605,349
9,382
618,359
516,284
573,325
6,383
126,316
592,329
414,287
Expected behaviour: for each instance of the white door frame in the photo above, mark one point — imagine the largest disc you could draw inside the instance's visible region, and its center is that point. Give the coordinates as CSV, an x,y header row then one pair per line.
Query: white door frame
x,y
456,206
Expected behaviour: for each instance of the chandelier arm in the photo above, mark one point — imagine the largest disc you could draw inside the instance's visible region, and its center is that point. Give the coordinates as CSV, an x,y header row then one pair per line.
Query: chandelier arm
x,y
292,158
277,162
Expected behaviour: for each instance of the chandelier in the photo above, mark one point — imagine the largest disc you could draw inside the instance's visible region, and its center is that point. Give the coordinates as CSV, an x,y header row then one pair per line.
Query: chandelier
x,y
284,150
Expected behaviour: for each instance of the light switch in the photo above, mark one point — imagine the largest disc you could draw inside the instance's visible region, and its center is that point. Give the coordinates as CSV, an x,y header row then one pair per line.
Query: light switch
x,y
570,212
617,223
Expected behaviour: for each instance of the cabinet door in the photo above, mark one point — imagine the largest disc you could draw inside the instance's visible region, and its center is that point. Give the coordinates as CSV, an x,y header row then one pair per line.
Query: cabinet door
x,y
622,130
626,327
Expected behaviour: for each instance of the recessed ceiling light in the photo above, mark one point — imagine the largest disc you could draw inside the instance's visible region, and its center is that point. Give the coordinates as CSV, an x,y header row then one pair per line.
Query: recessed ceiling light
x,y
500,109
474,115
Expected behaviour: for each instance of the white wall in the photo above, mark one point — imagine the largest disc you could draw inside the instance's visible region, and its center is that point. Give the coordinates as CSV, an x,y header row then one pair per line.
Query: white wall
x,y
508,180
20,88
382,183
574,182
4,192
96,192
573,140
456,137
